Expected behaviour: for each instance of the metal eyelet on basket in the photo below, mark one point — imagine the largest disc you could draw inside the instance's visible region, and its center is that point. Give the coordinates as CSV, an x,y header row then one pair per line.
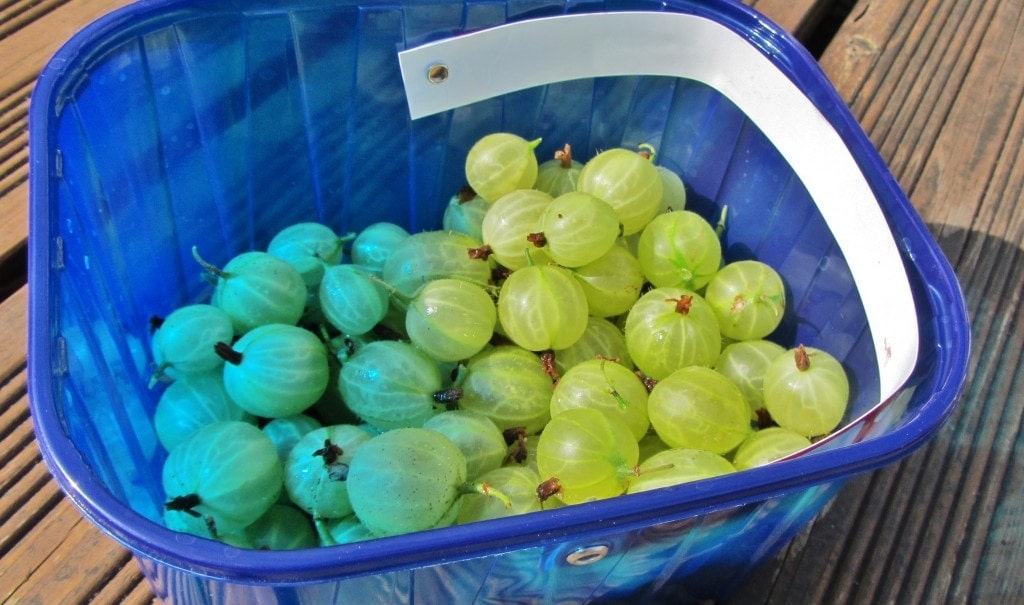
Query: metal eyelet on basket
x,y
586,555
437,73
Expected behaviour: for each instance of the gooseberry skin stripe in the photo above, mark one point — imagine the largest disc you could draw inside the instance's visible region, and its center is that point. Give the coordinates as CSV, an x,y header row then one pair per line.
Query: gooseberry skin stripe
x,y
689,46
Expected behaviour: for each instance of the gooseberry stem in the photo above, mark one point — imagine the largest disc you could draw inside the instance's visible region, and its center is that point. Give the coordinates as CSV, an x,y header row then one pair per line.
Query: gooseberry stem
x,y
619,399
647,150
459,374
339,245
529,257
392,290
326,338
654,469
485,489
225,352
720,227
158,374
209,268
340,352
323,533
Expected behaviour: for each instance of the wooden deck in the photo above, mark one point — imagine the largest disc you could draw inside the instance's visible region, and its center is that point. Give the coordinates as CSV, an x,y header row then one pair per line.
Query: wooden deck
x,y
938,86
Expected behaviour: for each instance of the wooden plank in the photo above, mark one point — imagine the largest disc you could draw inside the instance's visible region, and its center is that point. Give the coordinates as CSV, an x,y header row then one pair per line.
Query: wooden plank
x,y
936,86
964,179
14,227
74,577
15,15
17,456
13,171
946,36
24,52
795,16
30,498
30,33
27,556
127,587
14,322
49,552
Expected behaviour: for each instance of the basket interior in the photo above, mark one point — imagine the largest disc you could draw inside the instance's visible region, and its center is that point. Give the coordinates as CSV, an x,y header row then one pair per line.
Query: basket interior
x,y
217,126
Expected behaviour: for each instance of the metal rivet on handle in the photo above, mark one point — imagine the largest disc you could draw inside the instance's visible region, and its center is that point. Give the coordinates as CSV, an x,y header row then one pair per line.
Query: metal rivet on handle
x,y
437,73
587,555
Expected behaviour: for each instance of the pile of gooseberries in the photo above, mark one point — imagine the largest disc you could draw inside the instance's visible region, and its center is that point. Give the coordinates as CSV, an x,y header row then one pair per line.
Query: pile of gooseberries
x,y
571,333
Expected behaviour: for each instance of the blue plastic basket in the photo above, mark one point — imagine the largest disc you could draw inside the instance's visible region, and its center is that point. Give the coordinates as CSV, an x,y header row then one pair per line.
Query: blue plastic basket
x,y
174,123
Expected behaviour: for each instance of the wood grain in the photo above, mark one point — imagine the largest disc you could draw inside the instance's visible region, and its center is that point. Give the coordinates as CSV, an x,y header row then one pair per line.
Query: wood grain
x,y
795,16
50,553
935,85
30,33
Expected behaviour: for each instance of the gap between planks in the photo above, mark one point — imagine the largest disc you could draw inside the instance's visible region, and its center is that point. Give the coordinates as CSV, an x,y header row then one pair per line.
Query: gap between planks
x,y
41,532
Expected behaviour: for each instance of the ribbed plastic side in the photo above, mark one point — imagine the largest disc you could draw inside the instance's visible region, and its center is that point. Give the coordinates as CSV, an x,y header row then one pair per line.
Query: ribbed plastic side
x,y
691,560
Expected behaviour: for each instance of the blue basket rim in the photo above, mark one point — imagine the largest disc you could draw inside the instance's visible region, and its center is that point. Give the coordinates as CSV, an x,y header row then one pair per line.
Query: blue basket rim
x,y
580,522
